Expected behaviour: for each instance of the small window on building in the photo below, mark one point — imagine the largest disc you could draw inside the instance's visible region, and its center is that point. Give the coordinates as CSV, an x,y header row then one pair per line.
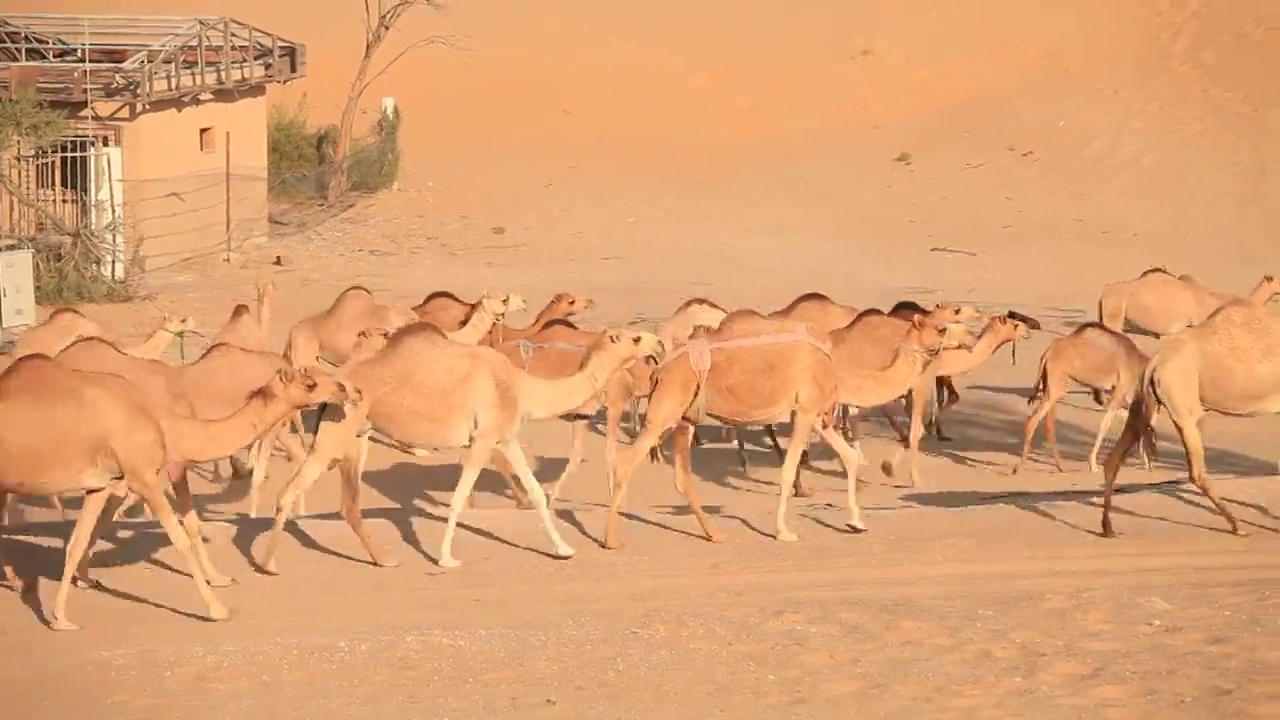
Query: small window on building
x,y
207,140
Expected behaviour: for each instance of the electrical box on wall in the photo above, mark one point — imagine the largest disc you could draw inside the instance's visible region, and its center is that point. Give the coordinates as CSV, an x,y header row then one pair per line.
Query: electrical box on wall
x,y
17,289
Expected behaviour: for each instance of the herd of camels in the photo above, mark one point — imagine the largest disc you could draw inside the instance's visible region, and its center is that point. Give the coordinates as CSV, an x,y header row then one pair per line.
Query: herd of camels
x,y
451,374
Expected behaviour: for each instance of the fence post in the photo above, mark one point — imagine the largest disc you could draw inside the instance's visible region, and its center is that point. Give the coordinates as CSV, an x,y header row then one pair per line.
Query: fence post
x,y
227,182
389,110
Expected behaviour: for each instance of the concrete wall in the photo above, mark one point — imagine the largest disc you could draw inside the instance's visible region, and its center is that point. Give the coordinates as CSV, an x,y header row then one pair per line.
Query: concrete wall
x,y
175,190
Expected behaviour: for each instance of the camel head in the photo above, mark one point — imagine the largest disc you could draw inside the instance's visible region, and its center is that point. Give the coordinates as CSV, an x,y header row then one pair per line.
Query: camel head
x,y
934,335
499,304
948,313
306,387
1267,289
567,305
635,343
179,326
368,342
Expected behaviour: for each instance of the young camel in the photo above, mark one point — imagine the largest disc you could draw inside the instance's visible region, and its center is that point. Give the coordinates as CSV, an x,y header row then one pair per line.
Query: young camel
x,y
425,391
1098,358
559,350
247,329
449,312
111,440
1228,364
750,370
65,325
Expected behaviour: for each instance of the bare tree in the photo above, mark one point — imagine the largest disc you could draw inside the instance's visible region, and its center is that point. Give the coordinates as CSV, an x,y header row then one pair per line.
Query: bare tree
x,y
380,18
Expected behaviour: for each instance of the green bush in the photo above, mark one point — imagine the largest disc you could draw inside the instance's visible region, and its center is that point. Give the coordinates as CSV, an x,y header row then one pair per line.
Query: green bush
x,y
298,155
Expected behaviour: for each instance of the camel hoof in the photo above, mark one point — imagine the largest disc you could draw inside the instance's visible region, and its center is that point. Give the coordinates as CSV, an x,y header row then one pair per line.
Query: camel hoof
x,y
386,562
886,467
448,562
221,581
787,536
856,527
1239,533
611,545
717,538
1109,533
801,491
63,625
269,567
527,505
564,552
219,613
85,583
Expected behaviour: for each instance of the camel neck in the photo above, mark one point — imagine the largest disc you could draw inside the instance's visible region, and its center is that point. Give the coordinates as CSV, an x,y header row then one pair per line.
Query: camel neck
x,y
264,318
864,387
193,440
543,398
477,327
155,345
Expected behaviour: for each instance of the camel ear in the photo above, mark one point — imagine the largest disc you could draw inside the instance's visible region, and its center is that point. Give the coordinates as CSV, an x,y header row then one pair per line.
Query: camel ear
x,y
287,375
1268,278
918,321
614,337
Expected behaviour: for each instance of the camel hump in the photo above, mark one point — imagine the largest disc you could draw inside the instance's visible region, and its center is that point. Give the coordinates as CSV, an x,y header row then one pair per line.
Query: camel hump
x,y
92,341
699,302
809,297
442,295
239,311
907,307
355,290
868,313
415,331
560,323
65,312
1157,270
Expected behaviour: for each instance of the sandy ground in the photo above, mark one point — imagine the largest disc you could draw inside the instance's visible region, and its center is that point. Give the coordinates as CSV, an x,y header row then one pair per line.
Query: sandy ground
x,y
643,153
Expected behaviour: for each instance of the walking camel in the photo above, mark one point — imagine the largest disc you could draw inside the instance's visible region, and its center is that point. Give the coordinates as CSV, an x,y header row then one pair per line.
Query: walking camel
x,y
1228,364
559,350
332,333
1158,303
65,325
111,440
249,329
750,370
1098,358
425,391
449,312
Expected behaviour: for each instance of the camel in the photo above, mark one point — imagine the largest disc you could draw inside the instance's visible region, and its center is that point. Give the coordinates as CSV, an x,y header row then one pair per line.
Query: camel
x,y
449,312
1157,303
820,311
997,331
1228,364
246,329
66,325
331,334
111,440
750,370
1094,356
425,391
559,350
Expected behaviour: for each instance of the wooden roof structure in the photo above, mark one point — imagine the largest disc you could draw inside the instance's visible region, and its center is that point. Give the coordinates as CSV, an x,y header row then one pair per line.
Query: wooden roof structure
x,y
139,59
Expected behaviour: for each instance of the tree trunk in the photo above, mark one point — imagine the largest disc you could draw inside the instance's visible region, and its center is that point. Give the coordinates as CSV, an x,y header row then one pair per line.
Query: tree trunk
x,y
338,165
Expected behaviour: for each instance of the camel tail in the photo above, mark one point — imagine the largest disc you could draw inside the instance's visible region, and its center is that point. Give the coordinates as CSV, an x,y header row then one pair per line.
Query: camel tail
x,y
1042,380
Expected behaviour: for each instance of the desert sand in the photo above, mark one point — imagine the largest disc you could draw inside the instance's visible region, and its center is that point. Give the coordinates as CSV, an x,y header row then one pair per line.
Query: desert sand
x,y
1008,154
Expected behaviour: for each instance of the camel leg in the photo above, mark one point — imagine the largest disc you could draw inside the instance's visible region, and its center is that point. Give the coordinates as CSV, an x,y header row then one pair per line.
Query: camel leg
x,y
81,534
106,519
186,509
1135,427
945,395
893,422
351,469
499,463
1188,425
848,455
152,493
472,463
742,447
1108,416
622,471
801,428
1051,435
578,433
57,503
772,431
1042,408
332,442
912,449
10,576
682,456
515,455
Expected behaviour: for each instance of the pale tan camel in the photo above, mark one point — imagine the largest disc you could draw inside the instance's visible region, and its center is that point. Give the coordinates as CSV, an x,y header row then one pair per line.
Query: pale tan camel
x,y
877,362
425,391
66,325
998,331
449,312
332,333
559,350
750,370
247,329
111,440
1098,358
820,311
1158,303
1228,364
